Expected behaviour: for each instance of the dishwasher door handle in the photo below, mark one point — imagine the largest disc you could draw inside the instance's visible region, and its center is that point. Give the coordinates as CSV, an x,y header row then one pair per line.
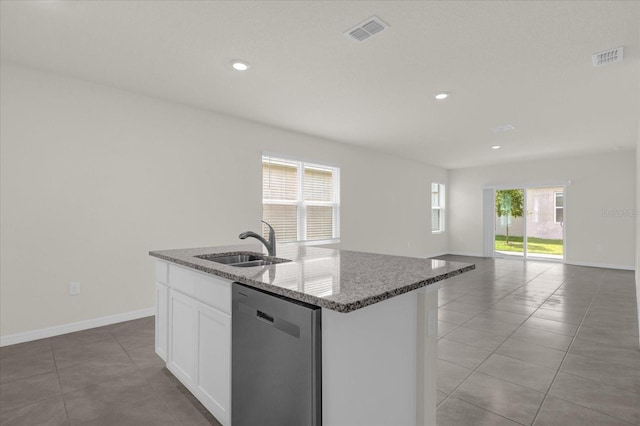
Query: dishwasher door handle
x,y
275,322
264,317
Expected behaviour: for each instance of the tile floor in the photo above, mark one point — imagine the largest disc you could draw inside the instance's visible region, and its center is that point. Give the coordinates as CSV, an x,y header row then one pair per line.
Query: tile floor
x,y
104,376
521,343
538,343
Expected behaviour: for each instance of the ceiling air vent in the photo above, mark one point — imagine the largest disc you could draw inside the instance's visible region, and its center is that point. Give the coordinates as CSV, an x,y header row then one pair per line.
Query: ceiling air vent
x,y
366,29
607,57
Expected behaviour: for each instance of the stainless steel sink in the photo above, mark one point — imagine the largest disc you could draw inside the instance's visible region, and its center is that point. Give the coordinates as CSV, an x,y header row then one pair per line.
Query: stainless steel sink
x,y
242,259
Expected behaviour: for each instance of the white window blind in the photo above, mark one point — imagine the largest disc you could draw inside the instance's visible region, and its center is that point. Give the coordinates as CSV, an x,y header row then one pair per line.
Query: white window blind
x,y
437,207
300,200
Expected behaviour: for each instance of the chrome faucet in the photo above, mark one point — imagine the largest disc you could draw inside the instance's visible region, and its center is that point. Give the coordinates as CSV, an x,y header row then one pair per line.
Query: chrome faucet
x,y
270,245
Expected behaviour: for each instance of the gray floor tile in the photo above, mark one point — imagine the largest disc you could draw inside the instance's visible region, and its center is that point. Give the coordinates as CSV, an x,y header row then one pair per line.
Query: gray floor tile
x,y
132,342
476,338
450,376
612,337
147,412
453,317
186,410
503,316
146,358
69,355
440,397
567,303
509,400
465,308
532,353
132,327
566,317
23,350
496,327
23,367
101,399
445,328
514,307
518,372
541,337
603,372
461,354
615,402
48,412
22,392
479,301
551,326
81,338
610,351
556,411
456,412
95,372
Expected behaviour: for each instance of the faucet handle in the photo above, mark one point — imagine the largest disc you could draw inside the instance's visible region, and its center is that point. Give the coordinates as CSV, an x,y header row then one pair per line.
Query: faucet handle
x,y
271,231
272,239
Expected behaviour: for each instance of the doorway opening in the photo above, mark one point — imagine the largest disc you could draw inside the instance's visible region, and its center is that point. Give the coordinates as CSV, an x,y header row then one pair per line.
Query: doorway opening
x,y
529,223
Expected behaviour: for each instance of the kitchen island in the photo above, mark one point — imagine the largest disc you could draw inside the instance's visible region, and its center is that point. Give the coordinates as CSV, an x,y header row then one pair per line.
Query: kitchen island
x,y
379,326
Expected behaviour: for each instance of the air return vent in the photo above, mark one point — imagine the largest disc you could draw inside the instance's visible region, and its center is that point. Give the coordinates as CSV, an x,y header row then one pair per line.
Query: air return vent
x,y
607,57
366,29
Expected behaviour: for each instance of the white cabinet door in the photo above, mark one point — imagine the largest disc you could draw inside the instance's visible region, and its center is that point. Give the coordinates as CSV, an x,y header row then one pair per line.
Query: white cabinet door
x,y
182,336
162,320
214,361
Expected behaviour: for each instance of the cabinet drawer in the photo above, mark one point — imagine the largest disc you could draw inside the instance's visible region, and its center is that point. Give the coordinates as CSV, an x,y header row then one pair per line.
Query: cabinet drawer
x,y
214,291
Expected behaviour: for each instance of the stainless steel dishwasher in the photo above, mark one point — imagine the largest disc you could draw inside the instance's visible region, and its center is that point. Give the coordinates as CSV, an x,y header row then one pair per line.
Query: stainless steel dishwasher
x,y
276,366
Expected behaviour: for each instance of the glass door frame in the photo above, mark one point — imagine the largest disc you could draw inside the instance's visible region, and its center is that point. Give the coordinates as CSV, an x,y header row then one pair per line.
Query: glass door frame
x,y
489,215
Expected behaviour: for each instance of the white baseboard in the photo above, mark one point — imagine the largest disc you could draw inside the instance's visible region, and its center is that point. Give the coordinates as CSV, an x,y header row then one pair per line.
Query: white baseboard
x,y
57,330
601,265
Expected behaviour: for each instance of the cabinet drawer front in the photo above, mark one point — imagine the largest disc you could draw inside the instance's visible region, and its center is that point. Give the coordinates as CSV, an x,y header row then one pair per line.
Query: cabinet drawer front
x,y
213,291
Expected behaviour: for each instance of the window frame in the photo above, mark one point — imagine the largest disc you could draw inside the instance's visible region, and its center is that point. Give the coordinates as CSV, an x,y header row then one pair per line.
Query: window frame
x,y
441,207
302,204
556,207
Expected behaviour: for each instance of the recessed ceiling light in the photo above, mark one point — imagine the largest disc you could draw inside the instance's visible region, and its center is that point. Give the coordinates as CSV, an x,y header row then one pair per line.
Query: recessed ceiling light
x,y
442,96
496,147
239,65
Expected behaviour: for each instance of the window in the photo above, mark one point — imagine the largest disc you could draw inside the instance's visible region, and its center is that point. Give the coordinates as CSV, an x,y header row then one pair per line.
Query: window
x,y
300,200
437,207
558,207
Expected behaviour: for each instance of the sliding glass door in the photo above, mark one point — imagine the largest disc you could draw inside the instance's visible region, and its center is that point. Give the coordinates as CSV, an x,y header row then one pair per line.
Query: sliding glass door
x,y
510,225
529,222
545,223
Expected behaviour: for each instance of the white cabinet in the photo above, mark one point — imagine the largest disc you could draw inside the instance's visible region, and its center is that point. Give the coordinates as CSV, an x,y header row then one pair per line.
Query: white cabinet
x,y
214,361
182,337
198,335
162,320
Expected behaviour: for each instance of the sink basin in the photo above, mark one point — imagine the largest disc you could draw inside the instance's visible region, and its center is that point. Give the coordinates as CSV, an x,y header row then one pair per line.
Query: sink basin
x,y
242,260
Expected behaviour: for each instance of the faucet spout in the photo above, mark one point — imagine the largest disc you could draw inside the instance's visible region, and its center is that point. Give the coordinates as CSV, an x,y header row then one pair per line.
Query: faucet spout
x,y
270,245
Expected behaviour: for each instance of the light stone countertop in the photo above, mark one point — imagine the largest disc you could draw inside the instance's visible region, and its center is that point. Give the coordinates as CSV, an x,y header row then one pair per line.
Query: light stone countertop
x,y
340,280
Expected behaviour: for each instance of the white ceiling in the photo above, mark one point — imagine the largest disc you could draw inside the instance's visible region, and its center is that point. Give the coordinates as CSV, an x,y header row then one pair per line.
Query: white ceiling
x,y
522,63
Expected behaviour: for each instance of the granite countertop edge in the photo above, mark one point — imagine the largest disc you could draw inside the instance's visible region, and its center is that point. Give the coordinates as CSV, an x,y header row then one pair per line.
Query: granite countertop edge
x,y
315,300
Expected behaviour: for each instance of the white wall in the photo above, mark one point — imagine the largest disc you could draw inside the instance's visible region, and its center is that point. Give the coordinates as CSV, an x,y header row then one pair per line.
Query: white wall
x,y
93,178
599,182
638,229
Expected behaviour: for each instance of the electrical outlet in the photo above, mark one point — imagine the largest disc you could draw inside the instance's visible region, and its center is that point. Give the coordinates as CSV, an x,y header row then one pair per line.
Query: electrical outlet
x,y
74,288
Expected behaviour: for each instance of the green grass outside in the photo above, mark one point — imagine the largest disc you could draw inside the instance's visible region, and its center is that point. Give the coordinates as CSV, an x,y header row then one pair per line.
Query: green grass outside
x,y
534,245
